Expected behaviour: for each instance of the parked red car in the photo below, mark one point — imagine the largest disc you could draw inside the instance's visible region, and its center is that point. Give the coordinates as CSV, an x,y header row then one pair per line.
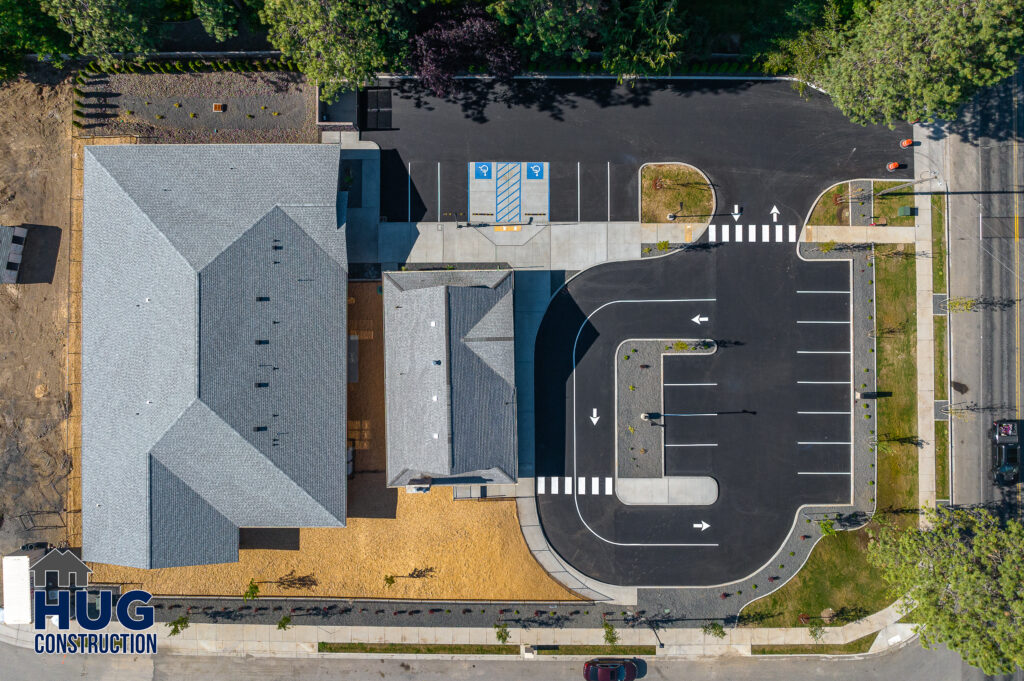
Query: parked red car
x,y
609,669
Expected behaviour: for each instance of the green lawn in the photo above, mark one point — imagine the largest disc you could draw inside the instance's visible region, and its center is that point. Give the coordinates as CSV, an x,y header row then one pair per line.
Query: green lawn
x,y
684,191
942,459
837,574
417,649
941,379
939,243
596,651
887,206
827,212
860,646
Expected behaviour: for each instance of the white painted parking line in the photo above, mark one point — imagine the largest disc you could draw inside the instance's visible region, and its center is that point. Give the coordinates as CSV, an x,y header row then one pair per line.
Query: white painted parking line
x,y
568,485
823,473
751,232
554,485
581,486
688,384
778,232
709,414
823,382
725,232
712,232
578,218
439,191
607,485
764,232
844,321
608,189
822,352
693,444
408,195
595,486
541,485
824,412
823,443
792,233
845,293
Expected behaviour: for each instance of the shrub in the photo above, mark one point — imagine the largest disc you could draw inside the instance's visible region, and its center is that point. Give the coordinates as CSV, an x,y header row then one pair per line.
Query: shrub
x,y
501,633
611,637
77,124
177,626
284,623
714,629
662,246
78,113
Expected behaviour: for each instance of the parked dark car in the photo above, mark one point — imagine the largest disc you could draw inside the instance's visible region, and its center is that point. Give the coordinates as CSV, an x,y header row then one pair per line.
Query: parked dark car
x,y
1006,452
609,669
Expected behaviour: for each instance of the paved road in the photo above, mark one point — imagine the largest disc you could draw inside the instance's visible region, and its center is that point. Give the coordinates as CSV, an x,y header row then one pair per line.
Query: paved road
x,y
781,443
986,177
759,142
911,663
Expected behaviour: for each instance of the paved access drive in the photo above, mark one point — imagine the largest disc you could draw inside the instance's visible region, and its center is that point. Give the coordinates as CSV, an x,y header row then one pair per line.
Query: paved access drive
x,y
768,415
759,142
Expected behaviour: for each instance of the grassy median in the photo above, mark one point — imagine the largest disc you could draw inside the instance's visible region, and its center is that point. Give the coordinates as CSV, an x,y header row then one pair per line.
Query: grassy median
x,y
830,210
837,574
860,646
674,188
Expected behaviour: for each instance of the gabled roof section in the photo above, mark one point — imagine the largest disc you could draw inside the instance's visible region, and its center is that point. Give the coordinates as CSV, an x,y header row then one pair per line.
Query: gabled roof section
x,y
450,376
183,406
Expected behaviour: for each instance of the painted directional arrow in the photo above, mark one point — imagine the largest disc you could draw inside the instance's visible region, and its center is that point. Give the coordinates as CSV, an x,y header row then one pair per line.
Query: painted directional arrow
x,y
775,213
736,211
701,526
698,319
595,418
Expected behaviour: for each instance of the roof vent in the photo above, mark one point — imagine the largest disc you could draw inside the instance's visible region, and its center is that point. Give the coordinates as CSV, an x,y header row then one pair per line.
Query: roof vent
x,y
262,342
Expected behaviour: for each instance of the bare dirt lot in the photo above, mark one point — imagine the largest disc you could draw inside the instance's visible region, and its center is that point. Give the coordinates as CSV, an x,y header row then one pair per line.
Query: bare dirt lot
x,y
35,114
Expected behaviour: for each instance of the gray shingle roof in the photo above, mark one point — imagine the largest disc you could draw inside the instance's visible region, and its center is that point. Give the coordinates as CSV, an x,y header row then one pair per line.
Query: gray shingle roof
x,y
182,443
450,376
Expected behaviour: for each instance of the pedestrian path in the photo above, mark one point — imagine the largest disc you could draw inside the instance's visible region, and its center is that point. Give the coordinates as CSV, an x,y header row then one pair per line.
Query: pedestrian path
x,y
752,233
565,484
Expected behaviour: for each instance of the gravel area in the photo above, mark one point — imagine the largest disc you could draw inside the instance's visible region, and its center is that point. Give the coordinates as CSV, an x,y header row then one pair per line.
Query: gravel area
x,y
258,106
639,444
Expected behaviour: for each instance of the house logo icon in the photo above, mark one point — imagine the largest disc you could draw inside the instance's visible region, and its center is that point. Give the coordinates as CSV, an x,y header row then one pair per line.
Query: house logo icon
x,y
67,567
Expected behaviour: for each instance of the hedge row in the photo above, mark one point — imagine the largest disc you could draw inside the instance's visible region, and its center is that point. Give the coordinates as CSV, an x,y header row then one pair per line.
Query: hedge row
x,y
189,66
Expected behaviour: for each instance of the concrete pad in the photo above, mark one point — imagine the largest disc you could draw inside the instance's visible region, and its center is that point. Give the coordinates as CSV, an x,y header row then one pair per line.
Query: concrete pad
x,y
623,241
478,636
668,491
256,647
443,635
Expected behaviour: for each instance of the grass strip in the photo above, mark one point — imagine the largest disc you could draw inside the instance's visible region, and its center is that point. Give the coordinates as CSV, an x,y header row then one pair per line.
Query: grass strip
x,y
827,211
941,379
684,192
939,243
860,646
887,206
942,460
837,574
418,648
596,651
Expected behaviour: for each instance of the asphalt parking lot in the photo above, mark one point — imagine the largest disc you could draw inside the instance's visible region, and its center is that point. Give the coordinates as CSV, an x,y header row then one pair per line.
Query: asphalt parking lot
x,y
759,142
768,415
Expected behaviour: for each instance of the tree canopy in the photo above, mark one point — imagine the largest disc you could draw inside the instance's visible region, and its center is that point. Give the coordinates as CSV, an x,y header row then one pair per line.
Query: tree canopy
x,y
642,36
552,28
964,576
103,27
218,17
24,28
339,43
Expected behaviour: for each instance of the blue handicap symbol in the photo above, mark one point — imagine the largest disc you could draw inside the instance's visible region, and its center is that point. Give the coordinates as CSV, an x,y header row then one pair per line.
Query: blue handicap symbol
x,y
535,171
482,171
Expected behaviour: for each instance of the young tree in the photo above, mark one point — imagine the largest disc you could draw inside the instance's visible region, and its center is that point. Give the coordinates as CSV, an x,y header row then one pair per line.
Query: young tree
x,y
25,28
456,41
177,626
219,18
963,577
103,27
642,36
285,623
501,632
713,629
551,28
252,592
341,44
806,55
611,637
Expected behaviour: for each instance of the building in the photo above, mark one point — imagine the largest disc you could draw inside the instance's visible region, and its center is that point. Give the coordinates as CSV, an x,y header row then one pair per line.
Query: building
x,y
450,378
214,295
12,241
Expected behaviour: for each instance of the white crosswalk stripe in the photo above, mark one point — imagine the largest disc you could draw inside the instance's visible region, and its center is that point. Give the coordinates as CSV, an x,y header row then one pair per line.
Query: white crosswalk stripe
x,y
551,485
749,233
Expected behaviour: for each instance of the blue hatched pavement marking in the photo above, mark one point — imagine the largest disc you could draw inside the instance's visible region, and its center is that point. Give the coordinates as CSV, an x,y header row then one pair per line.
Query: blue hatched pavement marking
x,y
508,192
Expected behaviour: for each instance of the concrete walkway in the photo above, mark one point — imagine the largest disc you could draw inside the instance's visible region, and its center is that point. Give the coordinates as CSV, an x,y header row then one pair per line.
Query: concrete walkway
x,y
301,641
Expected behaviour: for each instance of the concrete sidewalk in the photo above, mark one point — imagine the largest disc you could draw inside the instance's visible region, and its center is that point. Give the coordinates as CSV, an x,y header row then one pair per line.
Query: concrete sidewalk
x,y
301,641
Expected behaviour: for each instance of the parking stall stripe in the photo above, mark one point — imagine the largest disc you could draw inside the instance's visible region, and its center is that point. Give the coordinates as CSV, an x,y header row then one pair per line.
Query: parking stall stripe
x,y
688,384
578,213
843,321
607,485
846,413
822,352
568,485
845,293
541,485
823,473
792,233
709,414
824,443
823,382
694,444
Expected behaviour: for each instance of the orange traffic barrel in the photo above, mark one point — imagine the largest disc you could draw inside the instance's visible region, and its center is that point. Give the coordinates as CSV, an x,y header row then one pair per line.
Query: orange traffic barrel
x,y
906,143
892,166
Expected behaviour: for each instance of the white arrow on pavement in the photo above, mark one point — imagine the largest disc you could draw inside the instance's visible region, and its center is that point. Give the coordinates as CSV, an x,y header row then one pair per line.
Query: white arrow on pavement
x,y
698,319
595,418
775,213
701,526
736,212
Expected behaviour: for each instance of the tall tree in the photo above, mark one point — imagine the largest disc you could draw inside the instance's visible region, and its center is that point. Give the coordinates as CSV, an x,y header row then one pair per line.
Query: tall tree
x,y
964,575
457,40
339,43
551,28
103,27
806,55
219,18
25,29
642,36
